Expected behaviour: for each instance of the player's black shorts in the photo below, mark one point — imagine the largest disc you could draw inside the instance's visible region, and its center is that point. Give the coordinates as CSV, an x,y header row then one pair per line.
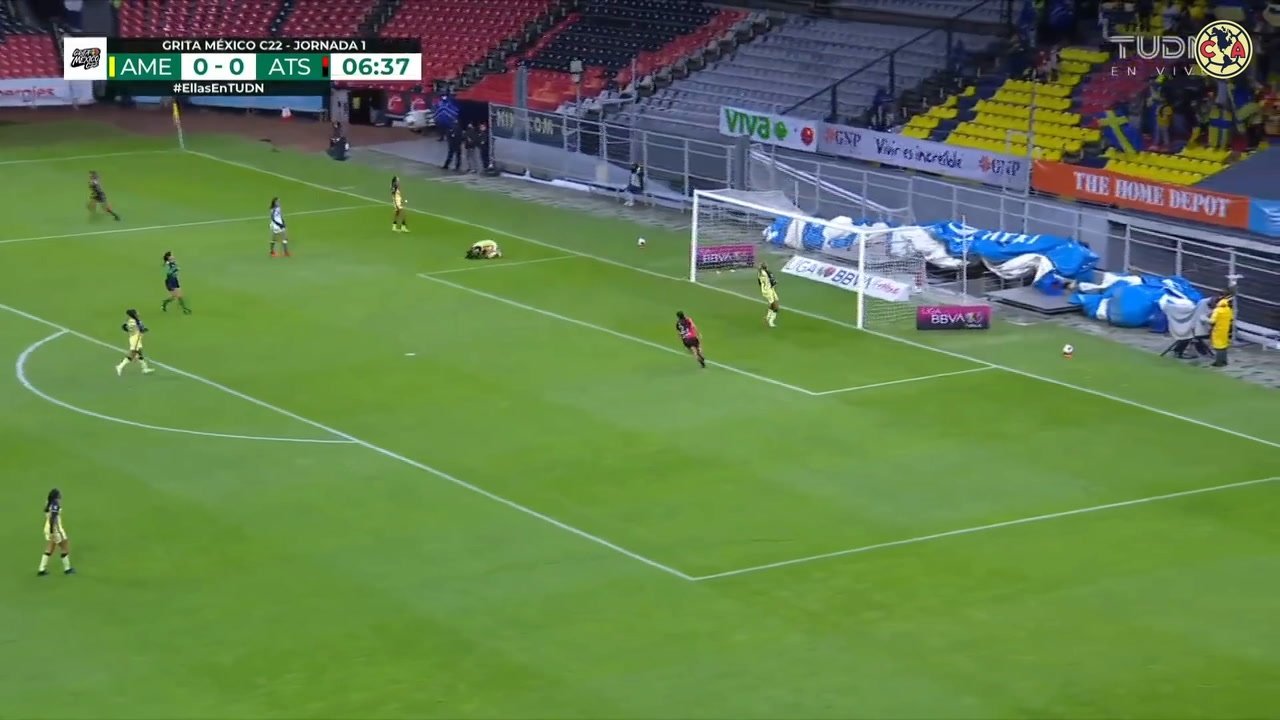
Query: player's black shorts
x,y
171,284
98,197
692,342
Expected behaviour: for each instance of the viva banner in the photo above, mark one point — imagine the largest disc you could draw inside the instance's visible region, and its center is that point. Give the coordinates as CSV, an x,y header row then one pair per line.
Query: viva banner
x,y
847,279
770,129
41,92
915,154
953,317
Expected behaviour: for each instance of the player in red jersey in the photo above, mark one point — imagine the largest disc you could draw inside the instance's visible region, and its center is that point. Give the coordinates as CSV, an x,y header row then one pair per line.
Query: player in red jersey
x,y
690,337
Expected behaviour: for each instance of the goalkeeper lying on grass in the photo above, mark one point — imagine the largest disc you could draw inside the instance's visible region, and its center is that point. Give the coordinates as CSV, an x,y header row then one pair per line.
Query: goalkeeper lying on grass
x,y
484,250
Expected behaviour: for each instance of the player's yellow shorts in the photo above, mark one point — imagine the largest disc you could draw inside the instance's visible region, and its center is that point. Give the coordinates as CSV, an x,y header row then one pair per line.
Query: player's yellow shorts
x,y
57,536
135,344
770,297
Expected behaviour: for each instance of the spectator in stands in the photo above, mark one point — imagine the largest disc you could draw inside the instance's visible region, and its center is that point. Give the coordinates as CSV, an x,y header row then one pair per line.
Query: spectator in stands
x,y
1220,319
471,143
1164,123
455,139
486,159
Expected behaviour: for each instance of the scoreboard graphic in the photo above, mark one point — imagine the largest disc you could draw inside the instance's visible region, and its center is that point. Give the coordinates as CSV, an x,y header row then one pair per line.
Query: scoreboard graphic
x,y
238,66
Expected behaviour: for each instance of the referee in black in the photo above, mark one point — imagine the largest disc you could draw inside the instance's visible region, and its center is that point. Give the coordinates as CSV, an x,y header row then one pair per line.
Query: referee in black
x,y
456,137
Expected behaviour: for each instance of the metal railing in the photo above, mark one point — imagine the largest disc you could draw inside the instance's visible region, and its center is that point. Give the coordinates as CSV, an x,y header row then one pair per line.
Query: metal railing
x,y
904,66
1210,267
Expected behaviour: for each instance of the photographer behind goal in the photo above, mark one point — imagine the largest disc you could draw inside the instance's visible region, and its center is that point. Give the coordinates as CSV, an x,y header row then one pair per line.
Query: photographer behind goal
x,y
484,250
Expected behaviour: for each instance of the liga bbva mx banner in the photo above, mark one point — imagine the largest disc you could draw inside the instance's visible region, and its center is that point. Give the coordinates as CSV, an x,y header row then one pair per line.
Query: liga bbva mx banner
x,y
854,143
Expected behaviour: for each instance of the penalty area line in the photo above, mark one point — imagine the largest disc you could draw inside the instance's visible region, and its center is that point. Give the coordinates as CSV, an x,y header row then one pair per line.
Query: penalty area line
x,y
389,454
905,381
20,371
984,528
174,226
615,333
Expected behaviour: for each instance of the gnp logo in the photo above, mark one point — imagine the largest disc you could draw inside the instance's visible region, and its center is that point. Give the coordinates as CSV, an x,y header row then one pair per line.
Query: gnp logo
x,y
1221,50
842,137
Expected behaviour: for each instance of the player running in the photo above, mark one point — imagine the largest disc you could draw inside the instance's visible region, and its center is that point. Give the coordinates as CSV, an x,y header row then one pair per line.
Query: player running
x,y
172,285
690,337
278,232
398,223
769,290
98,197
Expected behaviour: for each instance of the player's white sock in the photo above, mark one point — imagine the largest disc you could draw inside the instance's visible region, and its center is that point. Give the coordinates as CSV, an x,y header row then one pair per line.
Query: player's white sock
x,y
44,562
770,317
145,366
120,367
66,561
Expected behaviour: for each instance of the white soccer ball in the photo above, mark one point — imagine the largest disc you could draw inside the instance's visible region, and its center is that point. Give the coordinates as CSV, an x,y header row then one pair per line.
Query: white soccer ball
x,y
640,242
1068,350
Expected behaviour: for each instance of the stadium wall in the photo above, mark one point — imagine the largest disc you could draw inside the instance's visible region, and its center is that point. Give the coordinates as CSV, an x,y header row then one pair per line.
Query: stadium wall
x,y
295,103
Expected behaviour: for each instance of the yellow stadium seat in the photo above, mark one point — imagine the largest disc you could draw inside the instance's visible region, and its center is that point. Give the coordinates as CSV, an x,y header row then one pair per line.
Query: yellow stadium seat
x,y
994,107
916,132
1003,136
1039,100
1084,55
928,122
1002,147
1205,153
1053,90
943,113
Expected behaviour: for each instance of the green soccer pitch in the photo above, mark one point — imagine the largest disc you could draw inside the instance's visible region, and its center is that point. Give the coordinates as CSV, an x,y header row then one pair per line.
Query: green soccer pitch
x,y
377,480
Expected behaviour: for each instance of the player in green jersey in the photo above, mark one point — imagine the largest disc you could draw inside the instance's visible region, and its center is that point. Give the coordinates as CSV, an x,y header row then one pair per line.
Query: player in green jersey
x,y
172,285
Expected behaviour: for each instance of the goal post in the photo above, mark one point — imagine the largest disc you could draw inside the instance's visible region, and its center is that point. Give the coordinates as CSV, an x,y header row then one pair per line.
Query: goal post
x,y
878,265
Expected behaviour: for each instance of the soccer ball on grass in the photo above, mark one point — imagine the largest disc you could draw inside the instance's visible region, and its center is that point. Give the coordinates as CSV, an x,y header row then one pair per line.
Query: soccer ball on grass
x,y
640,242
1068,350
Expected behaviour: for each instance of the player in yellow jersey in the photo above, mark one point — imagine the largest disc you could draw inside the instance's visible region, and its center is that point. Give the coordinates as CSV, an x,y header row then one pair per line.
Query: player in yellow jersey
x,y
134,327
55,534
484,250
769,290
398,223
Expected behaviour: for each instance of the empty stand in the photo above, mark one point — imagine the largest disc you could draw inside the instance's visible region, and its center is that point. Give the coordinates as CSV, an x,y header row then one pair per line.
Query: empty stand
x,y
26,52
989,12
611,39
803,57
194,18
325,18
458,33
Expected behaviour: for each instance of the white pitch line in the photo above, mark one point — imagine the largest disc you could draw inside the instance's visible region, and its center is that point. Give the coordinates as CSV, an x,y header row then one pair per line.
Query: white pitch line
x,y
983,528
806,313
904,381
379,450
20,370
615,333
174,226
491,265
28,161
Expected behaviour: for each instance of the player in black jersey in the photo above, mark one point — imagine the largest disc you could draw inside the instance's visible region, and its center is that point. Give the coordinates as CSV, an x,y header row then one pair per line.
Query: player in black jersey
x,y
98,197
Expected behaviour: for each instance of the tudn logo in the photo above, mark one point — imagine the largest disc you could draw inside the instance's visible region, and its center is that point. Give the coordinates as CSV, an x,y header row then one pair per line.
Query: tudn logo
x,y
87,58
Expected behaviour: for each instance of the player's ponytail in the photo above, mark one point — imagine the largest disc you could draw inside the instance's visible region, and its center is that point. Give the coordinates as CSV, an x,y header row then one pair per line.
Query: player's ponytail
x,y
54,494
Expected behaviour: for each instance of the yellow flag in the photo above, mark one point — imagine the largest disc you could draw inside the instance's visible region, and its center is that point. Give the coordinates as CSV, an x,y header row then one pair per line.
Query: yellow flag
x,y
177,119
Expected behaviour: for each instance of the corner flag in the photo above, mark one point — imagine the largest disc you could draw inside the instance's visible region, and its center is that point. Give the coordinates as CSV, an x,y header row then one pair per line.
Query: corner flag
x,y
177,123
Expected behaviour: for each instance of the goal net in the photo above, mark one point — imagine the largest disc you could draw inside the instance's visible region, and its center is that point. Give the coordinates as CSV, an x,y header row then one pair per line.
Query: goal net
x,y
874,272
